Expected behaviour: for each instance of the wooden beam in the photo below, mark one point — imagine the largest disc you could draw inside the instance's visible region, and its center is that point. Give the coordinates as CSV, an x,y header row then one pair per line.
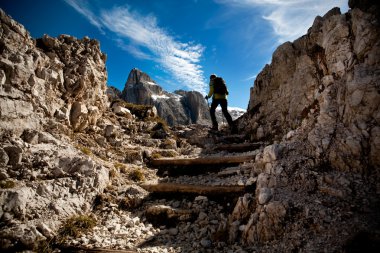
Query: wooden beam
x,y
193,189
219,160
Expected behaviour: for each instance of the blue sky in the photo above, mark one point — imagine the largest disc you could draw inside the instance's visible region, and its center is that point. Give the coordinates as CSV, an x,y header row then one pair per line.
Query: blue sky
x,y
179,43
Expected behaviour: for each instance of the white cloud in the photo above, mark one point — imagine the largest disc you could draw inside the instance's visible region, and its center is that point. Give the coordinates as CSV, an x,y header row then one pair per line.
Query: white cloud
x,y
289,19
250,78
144,39
83,9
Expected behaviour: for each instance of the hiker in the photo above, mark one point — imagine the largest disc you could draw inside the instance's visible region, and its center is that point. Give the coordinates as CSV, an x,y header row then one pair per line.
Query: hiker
x,y
219,92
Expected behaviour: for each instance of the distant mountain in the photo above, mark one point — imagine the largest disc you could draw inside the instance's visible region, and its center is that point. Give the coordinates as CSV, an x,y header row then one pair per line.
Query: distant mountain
x,y
177,108
113,92
235,112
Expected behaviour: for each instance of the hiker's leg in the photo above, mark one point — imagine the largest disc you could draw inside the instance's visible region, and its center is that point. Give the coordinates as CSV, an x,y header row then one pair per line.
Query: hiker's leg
x,y
214,104
223,104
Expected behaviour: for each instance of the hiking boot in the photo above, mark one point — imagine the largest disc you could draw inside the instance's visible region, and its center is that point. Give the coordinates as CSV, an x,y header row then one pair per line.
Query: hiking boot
x,y
234,130
214,128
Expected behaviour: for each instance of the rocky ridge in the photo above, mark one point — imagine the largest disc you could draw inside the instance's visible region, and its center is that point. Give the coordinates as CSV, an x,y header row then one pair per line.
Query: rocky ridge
x,y
177,108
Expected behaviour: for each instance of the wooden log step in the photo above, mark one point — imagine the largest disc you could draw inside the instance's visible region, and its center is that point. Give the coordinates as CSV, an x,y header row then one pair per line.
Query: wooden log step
x,y
196,166
239,147
206,190
216,160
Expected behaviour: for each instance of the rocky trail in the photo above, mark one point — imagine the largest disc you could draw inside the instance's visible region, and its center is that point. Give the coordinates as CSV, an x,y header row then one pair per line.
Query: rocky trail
x,y
186,207
194,196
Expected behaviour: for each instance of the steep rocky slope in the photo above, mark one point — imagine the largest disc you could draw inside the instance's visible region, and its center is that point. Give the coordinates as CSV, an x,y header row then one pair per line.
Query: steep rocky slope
x,y
61,145
180,107
318,101
328,78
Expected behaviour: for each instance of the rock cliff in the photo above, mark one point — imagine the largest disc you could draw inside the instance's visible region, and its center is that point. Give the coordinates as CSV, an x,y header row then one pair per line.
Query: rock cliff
x,y
328,79
318,103
62,77
48,87
60,143
180,107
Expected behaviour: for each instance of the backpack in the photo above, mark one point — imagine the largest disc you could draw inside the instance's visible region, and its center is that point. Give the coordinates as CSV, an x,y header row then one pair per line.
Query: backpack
x,y
220,86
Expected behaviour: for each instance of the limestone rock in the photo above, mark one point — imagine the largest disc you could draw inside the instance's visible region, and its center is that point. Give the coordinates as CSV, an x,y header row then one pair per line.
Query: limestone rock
x,y
325,81
42,75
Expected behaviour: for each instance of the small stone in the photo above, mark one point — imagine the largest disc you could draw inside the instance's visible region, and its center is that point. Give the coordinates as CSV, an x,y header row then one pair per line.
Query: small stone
x,y
176,204
201,198
136,220
173,231
206,243
3,174
14,153
4,158
138,233
264,196
202,216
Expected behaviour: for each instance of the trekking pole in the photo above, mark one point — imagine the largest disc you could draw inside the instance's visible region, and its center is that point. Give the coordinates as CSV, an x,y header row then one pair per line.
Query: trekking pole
x,y
208,103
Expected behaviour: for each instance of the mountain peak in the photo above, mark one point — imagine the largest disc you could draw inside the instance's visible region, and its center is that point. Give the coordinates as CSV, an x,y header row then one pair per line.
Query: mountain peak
x,y
137,76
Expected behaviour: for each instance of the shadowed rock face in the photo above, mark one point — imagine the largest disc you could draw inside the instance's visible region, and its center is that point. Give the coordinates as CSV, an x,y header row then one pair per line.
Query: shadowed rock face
x,y
49,76
329,80
180,107
318,103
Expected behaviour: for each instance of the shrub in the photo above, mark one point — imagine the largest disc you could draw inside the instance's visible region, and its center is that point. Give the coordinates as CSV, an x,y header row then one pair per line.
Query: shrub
x,y
76,225
137,175
129,203
85,150
156,155
7,184
43,246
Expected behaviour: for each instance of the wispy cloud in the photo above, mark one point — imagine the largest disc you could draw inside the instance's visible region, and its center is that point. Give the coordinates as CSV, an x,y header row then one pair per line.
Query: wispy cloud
x,y
250,78
144,39
289,19
83,8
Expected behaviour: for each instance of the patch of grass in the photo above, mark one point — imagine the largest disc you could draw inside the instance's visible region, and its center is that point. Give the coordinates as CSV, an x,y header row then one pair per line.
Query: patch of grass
x,y
76,225
169,153
156,155
122,168
118,165
104,158
102,199
161,124
129,203
137,175
7,184
84,150
43,246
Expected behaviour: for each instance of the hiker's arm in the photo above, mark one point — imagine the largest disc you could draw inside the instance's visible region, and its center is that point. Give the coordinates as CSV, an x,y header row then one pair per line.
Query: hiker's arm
x,y
211,89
